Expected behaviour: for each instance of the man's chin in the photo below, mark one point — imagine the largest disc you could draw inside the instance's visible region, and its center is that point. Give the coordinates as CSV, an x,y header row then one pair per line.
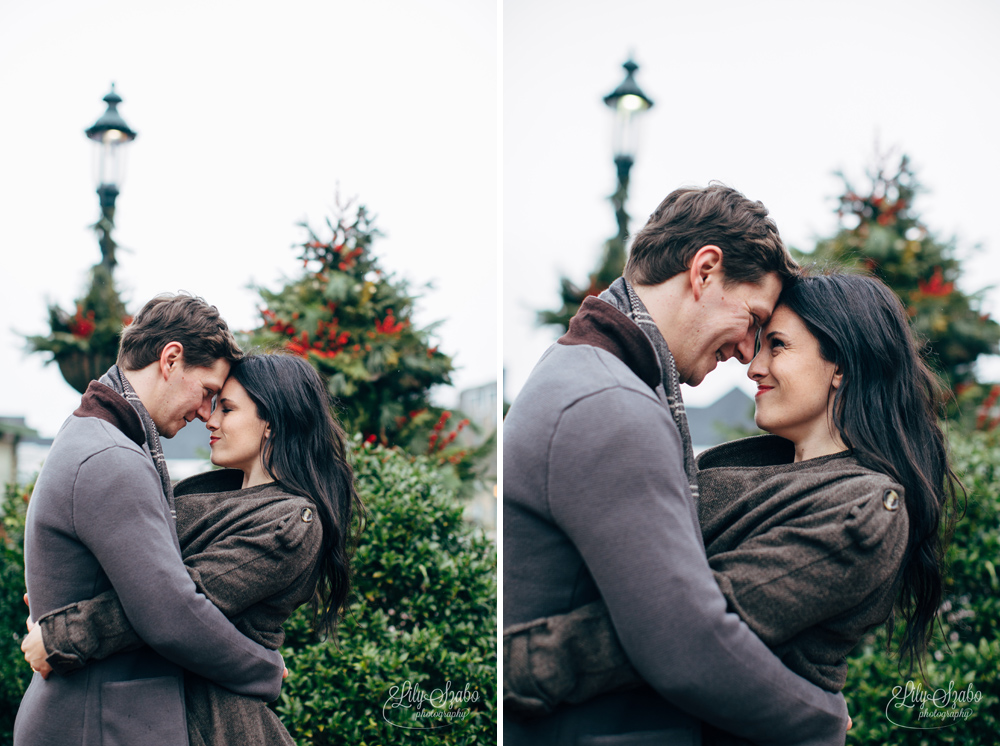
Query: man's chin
x,y
698,376
171,431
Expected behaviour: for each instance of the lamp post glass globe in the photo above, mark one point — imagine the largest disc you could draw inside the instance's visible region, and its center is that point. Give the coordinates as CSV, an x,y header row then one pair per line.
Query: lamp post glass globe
x,y
628,101
111,135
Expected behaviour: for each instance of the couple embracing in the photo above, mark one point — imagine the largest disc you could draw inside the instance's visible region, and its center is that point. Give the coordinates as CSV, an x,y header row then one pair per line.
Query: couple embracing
x,y
654,598
158,609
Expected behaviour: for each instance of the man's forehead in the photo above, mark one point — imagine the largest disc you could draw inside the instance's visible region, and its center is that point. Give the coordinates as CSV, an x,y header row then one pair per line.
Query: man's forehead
x,y
764,296
215,375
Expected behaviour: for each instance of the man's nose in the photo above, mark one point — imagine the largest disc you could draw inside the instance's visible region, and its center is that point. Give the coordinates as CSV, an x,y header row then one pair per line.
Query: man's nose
x,y
744,350
205,410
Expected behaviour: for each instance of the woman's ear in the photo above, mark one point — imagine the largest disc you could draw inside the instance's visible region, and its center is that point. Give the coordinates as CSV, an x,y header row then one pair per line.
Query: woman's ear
x,y
838,376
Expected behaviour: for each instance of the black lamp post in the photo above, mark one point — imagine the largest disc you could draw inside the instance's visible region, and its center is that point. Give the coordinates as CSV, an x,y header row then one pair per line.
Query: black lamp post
x,y
628,102
112,136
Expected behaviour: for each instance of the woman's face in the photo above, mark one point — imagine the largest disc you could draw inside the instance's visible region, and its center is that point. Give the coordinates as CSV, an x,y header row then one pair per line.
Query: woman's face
x,y
795,385
237,431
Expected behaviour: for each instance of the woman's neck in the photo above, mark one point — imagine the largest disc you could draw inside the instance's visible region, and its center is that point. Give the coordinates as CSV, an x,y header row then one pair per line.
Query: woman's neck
x,y
256,476
823,442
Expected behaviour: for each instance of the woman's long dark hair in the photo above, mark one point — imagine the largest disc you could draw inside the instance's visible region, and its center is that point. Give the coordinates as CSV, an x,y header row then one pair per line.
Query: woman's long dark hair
x,y
886,409
305,453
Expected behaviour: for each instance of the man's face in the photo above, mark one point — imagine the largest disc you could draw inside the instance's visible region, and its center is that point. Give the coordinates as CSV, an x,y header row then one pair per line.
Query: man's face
x,y
188,394
726,324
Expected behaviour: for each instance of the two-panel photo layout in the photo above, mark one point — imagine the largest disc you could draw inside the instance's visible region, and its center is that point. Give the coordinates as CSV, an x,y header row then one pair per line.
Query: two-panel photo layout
x,y
492,372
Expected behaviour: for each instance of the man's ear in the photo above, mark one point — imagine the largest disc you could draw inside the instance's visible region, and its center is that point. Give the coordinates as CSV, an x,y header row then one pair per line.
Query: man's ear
x,y
171,359
706,263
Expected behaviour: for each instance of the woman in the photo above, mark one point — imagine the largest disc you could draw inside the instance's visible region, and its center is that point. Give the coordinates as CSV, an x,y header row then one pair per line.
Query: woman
x,y
260,538
812,532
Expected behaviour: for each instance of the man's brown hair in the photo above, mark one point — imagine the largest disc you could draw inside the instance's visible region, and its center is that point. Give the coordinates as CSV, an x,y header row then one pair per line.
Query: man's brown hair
x,y
181,318
717,215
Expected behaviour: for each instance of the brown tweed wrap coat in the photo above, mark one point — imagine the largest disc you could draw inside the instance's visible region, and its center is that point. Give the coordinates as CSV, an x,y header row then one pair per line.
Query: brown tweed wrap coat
x,y
254,553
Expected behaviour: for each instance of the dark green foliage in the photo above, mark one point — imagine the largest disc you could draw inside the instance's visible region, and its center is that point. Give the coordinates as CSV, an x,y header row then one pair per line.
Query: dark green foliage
x,y
425,584
966,648
14,671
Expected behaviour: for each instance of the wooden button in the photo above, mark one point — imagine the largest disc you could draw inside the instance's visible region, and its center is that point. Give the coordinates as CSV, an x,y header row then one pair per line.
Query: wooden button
x,y
890,500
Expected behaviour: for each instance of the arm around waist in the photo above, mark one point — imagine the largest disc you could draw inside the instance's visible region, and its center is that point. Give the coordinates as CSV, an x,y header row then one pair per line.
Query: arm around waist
x,y
119,513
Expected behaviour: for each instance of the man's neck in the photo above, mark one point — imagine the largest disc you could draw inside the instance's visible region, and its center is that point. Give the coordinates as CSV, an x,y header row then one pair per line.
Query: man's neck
x,y
144,382
664,302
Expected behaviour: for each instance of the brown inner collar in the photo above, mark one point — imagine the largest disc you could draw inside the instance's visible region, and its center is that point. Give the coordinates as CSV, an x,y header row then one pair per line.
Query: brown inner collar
x,y
599,324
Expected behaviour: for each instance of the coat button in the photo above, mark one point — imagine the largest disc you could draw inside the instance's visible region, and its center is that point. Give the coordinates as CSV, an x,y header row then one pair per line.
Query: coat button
x,y
307,515
890,500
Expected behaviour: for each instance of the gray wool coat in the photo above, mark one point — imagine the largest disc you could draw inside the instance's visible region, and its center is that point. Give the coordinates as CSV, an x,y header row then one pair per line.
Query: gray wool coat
x,y
597,507
254,553
98,520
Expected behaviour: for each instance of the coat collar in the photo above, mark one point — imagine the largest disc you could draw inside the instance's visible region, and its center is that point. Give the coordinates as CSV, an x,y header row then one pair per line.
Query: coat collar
x,y
106,404
599,324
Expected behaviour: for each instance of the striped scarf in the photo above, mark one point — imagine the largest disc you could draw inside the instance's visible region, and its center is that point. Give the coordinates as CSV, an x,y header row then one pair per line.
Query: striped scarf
x,y
622,296
116,380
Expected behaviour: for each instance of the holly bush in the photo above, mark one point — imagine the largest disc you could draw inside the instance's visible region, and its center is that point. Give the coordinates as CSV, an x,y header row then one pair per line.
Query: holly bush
x,y
353,321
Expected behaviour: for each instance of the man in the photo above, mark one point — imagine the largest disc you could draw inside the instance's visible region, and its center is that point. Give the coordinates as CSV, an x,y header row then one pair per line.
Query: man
x,y
600,496
101,516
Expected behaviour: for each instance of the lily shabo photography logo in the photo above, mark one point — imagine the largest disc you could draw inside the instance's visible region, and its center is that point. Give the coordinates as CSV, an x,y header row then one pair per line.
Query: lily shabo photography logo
x,y
413,707
914,707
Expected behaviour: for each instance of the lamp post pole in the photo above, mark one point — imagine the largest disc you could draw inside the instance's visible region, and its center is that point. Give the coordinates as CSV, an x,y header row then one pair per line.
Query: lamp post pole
x,y
628,102
112,135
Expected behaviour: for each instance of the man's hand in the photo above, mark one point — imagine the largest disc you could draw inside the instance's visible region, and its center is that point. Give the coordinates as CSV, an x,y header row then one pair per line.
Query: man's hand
x,y
33,648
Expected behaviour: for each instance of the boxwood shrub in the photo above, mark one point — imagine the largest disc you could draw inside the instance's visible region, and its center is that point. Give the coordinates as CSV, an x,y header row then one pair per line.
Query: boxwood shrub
x,y
14,672
423,623
965,652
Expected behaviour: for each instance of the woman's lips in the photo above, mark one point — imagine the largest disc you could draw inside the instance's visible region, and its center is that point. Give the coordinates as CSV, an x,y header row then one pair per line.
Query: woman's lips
x,y
211,441
762,389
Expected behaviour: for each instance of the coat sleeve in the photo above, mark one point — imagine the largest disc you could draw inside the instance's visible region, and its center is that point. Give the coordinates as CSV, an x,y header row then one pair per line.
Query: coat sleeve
x,y
617,487
819,564
261,557
118,514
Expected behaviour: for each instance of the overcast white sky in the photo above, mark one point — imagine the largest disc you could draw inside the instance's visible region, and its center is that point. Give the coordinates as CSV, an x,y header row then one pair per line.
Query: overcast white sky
x,y
249,115
248,119
769,97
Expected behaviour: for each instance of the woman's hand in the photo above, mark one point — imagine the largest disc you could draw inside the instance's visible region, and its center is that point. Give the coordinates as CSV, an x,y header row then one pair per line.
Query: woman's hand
x,y
33,648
